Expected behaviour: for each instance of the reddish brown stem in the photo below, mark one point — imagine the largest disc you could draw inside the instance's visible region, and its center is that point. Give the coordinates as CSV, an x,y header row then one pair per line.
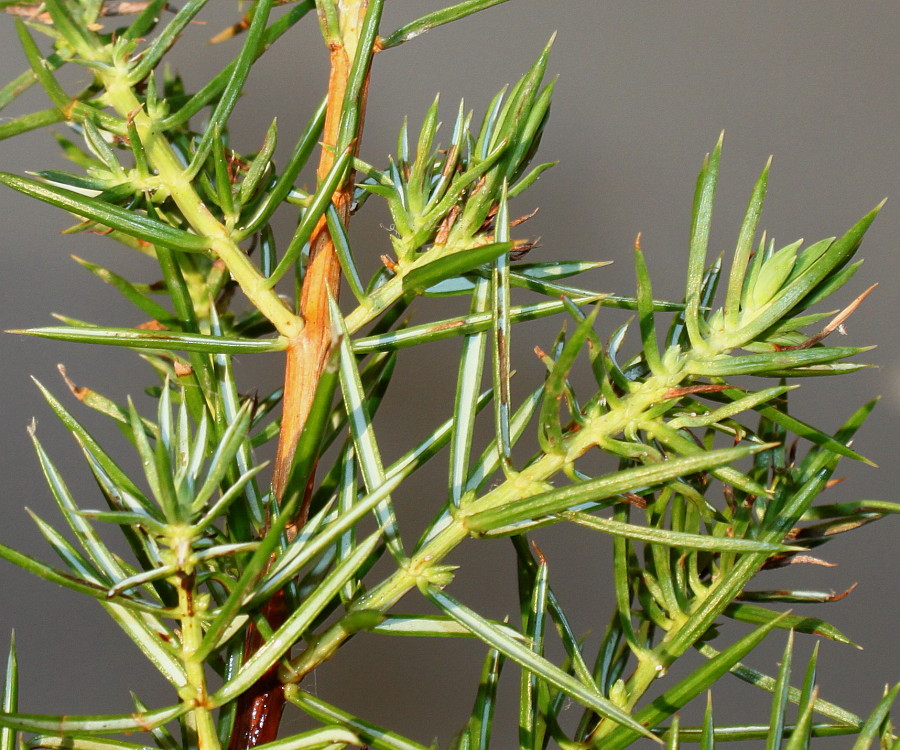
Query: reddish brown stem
x,y
306,354
259,709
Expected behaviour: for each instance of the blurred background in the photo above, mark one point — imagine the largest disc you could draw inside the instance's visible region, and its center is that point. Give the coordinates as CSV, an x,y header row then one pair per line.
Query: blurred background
x,y
644,90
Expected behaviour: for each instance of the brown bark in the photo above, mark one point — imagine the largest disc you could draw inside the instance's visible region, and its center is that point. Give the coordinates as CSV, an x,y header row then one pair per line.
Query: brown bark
x,y
307,352
259,709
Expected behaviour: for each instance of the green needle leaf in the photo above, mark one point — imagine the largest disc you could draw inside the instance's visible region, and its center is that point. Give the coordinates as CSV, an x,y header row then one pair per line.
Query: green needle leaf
x,y
421,277
10,702
800,736
41,71
341,242
771,362
431,626
874,725
757,732
769,684
221,462
534,611
759,615
304,550
481,721
501,340
468,386
129,222
572,644
780,696
330,738
146,20
259,167
800,428
296,624
673,734
138,338
686,689
22,82
459,326
367,450
680,539
85,743
81,586
550,428
524,656
72,29
701,221
93,448
89,540
128,290
78,725
707,739
310,443
316,209
29,122
437,18
228,99
160,45
371,734
645,310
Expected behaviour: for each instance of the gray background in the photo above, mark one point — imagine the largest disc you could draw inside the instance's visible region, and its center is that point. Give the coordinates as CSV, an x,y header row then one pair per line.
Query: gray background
x,y
645,88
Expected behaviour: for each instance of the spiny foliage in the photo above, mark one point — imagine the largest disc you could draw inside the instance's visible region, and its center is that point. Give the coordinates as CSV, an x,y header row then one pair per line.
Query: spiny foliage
x,y
709,488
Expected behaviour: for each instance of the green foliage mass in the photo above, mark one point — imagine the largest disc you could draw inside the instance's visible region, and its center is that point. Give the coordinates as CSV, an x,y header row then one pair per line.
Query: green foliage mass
x,y
708,489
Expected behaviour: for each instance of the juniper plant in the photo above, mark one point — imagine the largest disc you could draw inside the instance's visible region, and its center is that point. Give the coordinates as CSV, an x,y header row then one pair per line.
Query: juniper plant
x,y
243,579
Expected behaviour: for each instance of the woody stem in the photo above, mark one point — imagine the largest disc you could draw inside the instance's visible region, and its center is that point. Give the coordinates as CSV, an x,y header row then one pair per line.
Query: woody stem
x,y
259,708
